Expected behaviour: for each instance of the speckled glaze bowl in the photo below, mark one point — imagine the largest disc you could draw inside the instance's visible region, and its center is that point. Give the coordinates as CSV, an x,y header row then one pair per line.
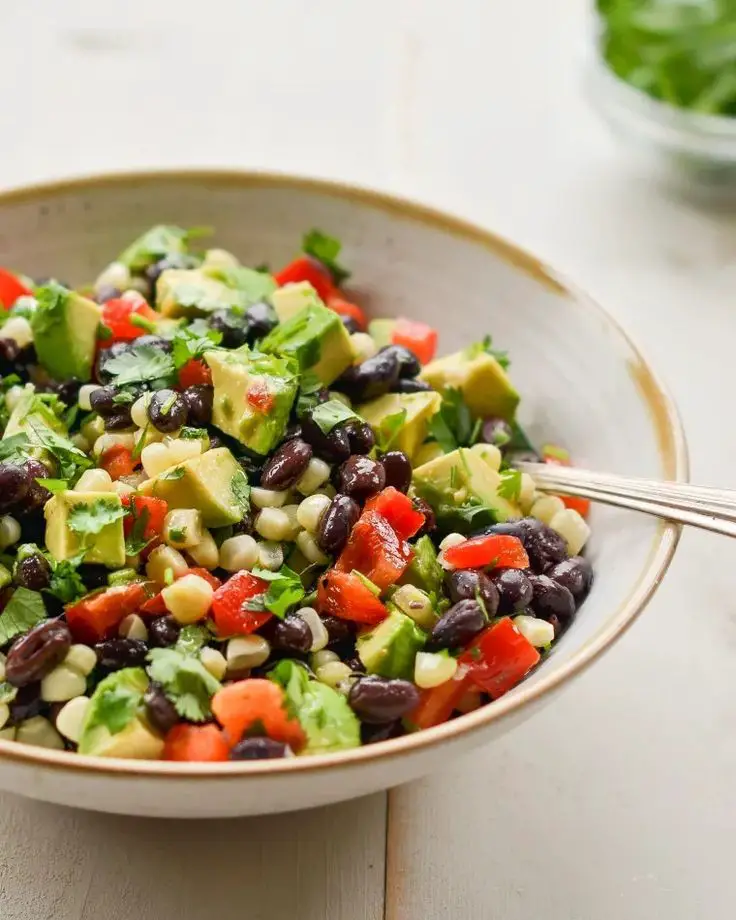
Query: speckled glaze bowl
x,y
583,383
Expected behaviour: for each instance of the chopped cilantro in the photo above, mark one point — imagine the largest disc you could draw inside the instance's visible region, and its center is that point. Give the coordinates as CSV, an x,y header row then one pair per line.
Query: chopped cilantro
x,y
123,398
185,680
15,447
157,243
390,428
188,343
172,475
136,541
115,703
510,485
326,250
66,583
193,434
309,390
254,285
71,460
141,364
177,534
332,413
192,638
53,485
240,490
486,347
22,612
90,519
284,591
453,425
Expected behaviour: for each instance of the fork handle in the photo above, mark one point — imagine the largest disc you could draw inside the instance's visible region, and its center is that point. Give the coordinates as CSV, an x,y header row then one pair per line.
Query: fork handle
x,y
699,506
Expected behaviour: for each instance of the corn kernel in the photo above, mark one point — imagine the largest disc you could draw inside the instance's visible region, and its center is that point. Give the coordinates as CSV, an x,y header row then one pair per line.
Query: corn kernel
x,y
333,673
490,453
220,258
363,346
452,539
428,452
71,717
133,627
538,632
106,441
320,636
9,531
273,524
316,473
116,275
310,511
122,488
545,507
162,560
81,658
416,604
139,410
322,657
155,459
19,330
94,481
188,599
205,553
61,684
238,553
270,555
93,429
310,549
183,528
526,493
85,391
213,661
4,714
432,669
572,526
244,652
267,498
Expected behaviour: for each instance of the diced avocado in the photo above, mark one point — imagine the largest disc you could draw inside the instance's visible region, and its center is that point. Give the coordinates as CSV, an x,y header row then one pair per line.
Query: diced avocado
x,y
213,483
194,292
385,412
424,571
253,396
28,414
291,298
460,479
253,285
381,331
390,648
316,337
104,548
113,724
484,384
65,326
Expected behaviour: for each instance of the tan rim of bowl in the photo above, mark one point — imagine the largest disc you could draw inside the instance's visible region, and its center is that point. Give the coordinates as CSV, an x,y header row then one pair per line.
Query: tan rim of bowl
x,y
661,408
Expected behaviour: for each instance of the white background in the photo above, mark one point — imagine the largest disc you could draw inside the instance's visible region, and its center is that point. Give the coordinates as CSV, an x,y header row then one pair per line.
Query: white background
x,y
618,801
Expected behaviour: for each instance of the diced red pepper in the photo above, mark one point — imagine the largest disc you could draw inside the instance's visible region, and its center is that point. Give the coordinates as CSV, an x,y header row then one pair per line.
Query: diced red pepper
x,y
437,705
195,743
346,308
375,550
228,612
257,705
344,595
399,511
417,337
154,509
118,461
259,396
194,372
499,550
499,657
96,616
577,503
11,288
117,315
305,268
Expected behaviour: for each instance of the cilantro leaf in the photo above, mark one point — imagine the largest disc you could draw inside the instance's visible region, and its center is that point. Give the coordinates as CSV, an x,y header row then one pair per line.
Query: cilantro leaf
x,y
240,490
326,250
66,583
485,346
141,364
192,638
15,447
453,425
178,472
188,344
90,519
136,541
155,244
53,485
71,460
185,680
255,285
115,703
284,591
22,612
330,414
309,390
510,486
390,428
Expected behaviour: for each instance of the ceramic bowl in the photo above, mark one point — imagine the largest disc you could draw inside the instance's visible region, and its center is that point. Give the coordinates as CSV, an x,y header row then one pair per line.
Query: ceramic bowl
x,y
583,383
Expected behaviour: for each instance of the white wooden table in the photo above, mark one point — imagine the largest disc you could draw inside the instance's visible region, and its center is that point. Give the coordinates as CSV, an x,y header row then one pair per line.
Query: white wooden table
x,y
618,801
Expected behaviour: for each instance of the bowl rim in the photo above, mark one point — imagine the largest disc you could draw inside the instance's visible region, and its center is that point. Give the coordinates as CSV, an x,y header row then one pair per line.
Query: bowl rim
x,y
661,408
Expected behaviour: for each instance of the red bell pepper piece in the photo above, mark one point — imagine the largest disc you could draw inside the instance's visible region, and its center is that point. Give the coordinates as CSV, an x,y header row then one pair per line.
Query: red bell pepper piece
x,y
399,511
435,706
118,461
153,509
305,268
345,308
417,337
498,658
195,743
344,595
376,550
499,550
11,288
228,611
259,396
194,372
96,616
117,315
259,705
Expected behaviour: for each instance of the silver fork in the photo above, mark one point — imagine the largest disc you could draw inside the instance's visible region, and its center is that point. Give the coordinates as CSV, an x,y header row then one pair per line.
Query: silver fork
x,y
700,506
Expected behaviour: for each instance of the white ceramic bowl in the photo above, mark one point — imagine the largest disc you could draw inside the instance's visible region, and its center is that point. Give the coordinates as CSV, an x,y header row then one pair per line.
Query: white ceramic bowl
x,y
583,384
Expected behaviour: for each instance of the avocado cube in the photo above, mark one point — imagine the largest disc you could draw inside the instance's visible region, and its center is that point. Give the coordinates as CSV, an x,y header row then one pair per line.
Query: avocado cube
x,y
424,570
104,548
193,292
28,414
462,476
484,384
288,300
316,337
65,327
135,739
382,331
212,483
390,649
382,414
253,396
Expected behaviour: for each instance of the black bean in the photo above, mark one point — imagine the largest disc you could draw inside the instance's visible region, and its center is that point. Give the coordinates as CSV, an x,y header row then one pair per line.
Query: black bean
x,y
37,495
163,632
544,546
232,327
355,664
339,631
287,465
293,430
371,734
27,703
351,324
259,749
514,589
260,320
361,477
106,292
430,518
469,584
409,364
336,523
160,711
246,526
15,482
36,654
198,399
361,438
496,431
458,625
104,356
409,385
93,576
119,420
377,700
167,410
9,351
517,528
397,467
103,402
575,574
114,654
33,572
291,635
371,378
155,341
68,390
333,447
550,598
